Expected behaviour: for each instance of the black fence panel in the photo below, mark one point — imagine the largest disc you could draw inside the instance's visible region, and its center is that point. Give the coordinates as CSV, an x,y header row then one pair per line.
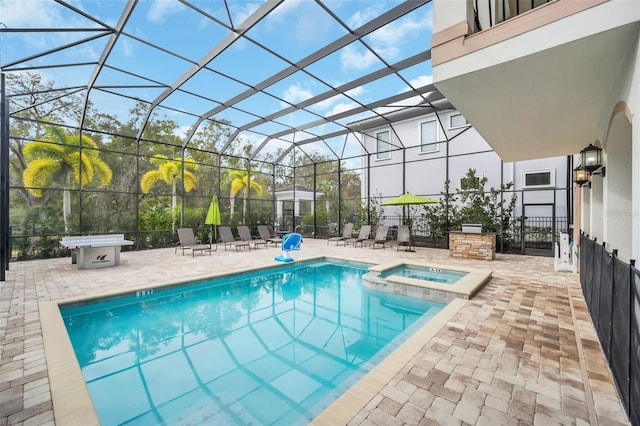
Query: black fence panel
x,y
619,358
634,361
594,309
605,306
611,289
583,249
586,268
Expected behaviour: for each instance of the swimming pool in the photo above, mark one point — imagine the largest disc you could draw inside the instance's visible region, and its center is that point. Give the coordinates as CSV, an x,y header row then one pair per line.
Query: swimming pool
x,y
274,347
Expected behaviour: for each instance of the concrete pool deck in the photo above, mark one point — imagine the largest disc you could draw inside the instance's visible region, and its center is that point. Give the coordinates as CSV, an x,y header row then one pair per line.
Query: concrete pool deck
x,y
522,351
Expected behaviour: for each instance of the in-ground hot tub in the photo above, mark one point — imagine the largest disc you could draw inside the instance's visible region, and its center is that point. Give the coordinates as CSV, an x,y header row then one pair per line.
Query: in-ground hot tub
x,y
438,283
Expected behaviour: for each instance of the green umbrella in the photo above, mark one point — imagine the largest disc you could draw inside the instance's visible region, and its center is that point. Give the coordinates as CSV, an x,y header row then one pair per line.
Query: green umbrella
x,y
408,200
213,216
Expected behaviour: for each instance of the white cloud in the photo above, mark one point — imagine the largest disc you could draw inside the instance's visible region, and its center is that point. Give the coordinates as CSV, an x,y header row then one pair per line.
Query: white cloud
x,y
160,9
363,16
295,94
422,80
351,58
240,13
356,91
341,107
126,46
396,32
33,13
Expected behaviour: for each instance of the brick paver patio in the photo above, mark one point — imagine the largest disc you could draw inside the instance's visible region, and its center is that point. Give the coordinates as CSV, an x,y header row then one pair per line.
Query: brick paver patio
x,y
523,351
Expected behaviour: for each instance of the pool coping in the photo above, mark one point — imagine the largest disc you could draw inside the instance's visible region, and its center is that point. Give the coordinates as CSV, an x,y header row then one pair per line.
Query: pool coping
x,y
466,287
72,403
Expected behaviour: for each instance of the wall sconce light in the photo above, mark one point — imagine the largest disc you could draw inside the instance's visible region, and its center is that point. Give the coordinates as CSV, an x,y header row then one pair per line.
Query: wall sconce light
x,y
591,159
580,176
600,173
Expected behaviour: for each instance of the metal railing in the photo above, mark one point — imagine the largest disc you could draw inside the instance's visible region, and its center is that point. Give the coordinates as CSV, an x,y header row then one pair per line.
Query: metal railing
x,y
488,13
611,290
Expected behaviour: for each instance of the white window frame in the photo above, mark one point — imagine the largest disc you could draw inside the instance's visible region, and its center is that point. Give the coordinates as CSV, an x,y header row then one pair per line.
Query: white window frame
x,y
427,148
383,155
451,126
552,178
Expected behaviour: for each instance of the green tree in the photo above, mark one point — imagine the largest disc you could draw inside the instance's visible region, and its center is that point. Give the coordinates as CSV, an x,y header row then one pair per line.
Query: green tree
x,y
170,172
242,182
65,156
473,204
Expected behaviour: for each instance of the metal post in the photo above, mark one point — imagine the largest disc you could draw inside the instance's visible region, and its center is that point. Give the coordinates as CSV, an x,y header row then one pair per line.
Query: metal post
x,y
339,197
315,187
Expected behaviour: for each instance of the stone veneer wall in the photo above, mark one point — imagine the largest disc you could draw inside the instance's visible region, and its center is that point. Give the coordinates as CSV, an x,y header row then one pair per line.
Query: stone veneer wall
x,y
472,245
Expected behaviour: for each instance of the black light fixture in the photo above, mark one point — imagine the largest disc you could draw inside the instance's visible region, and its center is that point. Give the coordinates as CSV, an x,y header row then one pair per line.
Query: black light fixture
x,y
580,176
591,158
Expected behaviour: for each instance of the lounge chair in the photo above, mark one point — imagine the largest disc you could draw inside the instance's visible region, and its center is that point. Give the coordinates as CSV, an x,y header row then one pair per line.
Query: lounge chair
x,y
245,235
380,237
365,231
346,233
267,234
229,241
402,239
290,242
188,242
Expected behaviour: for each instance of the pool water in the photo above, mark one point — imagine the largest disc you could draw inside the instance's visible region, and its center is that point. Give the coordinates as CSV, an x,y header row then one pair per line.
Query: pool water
x,y
273,347
437,275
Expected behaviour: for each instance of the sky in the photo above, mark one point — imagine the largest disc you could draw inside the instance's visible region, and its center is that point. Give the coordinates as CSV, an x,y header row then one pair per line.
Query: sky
x,y
183,36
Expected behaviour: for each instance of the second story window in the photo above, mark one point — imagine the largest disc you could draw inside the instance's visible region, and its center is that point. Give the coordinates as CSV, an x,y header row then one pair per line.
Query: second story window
x,y
428,136
539,179
383,152
457,120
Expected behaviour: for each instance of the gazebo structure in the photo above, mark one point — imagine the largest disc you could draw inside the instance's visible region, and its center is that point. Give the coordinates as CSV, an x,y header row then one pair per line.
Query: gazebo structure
x,y
285,218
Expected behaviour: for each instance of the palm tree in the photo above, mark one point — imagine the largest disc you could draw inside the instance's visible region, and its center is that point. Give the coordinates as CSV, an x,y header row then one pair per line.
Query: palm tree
x,y
63,156
242,182
170,171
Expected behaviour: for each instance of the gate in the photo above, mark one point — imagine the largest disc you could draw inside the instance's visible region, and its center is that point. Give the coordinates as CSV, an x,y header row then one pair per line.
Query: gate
x,y
538,228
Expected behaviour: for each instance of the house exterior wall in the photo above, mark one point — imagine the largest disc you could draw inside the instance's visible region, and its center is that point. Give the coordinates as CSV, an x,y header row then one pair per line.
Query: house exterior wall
x,y
425,173
596,98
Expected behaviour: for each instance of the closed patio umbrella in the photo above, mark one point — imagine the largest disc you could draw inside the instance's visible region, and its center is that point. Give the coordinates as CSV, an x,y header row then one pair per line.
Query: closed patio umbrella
x,y
408,200
213,216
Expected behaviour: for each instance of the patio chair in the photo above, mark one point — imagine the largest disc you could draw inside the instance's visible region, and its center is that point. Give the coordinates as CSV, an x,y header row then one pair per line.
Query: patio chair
x,y
226,237
380,238
245,235
365,231
346,233
188,242
290,242
267,234
402,239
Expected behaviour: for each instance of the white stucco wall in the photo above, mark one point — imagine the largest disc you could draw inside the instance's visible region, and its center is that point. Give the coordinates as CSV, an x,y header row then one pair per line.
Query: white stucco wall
x,y
425,173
